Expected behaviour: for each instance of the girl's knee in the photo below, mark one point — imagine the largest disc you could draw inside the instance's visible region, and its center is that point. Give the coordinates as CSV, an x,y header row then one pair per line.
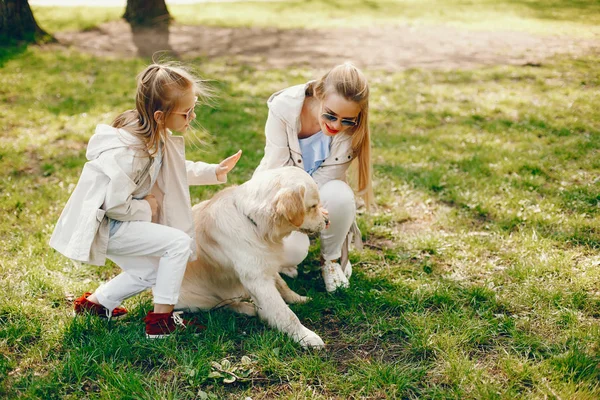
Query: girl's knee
x,y
180,244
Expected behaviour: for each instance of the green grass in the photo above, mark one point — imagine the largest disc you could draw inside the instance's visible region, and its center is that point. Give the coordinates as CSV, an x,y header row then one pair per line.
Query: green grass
x,y
479,279
480,276
577,17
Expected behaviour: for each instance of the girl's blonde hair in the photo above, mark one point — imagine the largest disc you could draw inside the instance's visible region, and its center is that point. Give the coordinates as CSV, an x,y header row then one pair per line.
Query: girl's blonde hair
x,y
349,82
159,88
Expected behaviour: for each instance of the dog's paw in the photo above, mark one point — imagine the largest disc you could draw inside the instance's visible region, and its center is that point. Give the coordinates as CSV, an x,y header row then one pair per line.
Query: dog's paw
x,y
311,340
295,298
291,271
303,299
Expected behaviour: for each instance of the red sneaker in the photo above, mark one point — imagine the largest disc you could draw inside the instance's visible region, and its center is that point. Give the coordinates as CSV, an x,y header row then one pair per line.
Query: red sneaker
x,y
84,306
159,326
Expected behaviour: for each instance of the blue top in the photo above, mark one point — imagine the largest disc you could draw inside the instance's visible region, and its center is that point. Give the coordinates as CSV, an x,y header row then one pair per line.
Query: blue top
x,y
113,224
315,149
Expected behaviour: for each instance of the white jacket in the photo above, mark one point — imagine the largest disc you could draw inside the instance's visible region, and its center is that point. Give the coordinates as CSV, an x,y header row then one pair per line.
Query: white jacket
x,y
115,173
282,147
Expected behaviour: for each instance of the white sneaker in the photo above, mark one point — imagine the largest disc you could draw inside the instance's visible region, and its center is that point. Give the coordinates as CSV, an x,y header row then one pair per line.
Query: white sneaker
x,y
348,270
333,276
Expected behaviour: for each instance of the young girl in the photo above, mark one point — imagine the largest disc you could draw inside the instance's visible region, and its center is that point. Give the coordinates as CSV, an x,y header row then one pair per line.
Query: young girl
x,y
132,203
322,126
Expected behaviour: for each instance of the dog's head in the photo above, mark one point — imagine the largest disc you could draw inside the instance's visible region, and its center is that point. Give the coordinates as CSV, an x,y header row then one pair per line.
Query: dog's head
x,y
297,201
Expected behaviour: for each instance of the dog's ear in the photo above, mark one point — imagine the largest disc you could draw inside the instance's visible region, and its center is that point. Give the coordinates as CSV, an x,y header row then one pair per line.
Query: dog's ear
x,y
289,203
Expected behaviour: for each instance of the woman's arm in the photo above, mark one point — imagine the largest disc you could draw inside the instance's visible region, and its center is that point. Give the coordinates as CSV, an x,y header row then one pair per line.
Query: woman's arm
x,y
277,149
330,172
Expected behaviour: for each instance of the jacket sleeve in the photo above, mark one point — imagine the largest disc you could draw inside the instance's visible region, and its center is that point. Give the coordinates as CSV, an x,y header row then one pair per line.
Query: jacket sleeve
x,y
201,173
119,202
329,173
277,149
131,210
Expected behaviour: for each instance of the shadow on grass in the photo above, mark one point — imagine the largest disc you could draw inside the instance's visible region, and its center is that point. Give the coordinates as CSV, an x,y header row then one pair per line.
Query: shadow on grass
x,y
152,41
9,52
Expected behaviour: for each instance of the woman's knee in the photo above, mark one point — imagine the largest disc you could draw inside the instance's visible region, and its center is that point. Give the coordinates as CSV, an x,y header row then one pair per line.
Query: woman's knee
x,y
295,248
337,195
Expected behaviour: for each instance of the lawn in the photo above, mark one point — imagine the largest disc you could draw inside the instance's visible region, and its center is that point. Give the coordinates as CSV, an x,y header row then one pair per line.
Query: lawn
x,y
480,276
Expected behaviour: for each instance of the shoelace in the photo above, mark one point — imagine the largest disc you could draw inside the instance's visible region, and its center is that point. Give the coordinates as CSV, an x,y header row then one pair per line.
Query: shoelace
x,y
177,318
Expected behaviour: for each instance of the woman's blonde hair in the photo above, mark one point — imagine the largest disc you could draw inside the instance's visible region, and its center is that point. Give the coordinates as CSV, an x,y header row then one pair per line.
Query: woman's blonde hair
x,y
349,82
159,88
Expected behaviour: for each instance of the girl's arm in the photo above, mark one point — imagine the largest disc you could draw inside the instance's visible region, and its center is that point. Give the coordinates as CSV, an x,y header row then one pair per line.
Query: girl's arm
x,y
227,165
200,173
129,209
119,202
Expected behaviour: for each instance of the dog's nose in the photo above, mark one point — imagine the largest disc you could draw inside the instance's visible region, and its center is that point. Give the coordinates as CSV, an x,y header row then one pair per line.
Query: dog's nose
x,y
326,222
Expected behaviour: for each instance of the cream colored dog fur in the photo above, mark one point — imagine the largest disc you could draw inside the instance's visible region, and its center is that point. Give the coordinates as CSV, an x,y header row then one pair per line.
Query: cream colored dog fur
x,y
239,233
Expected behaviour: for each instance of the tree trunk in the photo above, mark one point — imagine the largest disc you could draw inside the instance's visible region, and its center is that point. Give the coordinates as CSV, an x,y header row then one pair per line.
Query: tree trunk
x,y
146,12
18,24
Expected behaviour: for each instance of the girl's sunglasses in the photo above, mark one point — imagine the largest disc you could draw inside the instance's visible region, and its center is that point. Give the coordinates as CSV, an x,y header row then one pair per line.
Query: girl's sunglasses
x,y
333,118
188,114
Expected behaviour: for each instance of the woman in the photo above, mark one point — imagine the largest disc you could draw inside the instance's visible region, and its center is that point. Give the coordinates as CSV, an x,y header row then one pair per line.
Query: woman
x,y
322,126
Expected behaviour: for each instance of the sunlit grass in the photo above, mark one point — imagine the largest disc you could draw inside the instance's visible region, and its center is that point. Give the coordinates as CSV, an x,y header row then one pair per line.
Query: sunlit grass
x,y
479,278
574,18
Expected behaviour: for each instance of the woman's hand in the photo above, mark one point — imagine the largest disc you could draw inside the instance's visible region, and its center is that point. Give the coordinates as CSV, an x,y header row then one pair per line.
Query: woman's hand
x,y
153,206
227,165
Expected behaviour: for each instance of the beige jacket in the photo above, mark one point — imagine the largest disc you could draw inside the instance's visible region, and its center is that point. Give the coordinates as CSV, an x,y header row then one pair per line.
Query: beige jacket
x,y
107,188
282,147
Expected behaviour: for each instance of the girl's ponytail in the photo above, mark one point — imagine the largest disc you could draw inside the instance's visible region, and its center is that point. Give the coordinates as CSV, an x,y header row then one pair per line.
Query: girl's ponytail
x,y
126,118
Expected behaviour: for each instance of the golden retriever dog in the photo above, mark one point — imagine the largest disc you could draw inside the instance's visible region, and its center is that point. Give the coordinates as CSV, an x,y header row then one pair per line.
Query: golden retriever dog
x,y
240,234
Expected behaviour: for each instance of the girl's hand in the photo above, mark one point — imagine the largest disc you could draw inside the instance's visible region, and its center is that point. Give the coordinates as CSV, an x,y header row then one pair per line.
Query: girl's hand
x,y
227,165
153,206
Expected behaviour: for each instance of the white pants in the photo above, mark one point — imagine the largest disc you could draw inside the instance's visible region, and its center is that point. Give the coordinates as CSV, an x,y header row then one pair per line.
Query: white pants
x,y
151,256
338,198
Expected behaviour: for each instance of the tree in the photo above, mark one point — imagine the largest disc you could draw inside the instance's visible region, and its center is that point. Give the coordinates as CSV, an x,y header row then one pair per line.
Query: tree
x,y
18,24
147,12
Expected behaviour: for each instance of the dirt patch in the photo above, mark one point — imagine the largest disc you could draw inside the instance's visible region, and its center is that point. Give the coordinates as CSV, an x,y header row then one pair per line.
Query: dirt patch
x,y
388,48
